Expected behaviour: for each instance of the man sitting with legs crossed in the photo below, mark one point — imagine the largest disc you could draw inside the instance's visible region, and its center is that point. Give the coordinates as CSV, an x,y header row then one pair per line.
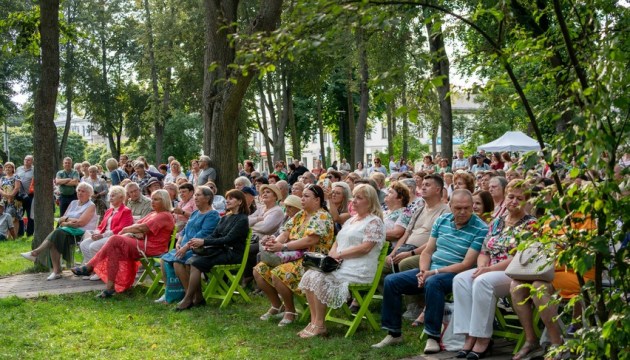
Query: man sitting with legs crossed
x,y
453,247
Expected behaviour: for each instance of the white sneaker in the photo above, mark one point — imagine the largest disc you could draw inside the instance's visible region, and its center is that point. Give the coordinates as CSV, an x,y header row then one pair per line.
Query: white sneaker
x,y
161,300
53,276
29,256
95,277
432,347
388,341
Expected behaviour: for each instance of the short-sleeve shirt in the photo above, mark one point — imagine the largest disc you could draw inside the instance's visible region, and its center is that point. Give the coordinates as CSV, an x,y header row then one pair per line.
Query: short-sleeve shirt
x,y
408,212
160,226
319,224
26,176
67,190
501,239
459,163
420,232
453,243
6,223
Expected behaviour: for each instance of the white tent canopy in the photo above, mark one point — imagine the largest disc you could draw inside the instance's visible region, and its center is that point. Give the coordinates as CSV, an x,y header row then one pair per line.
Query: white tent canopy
x,y
513,141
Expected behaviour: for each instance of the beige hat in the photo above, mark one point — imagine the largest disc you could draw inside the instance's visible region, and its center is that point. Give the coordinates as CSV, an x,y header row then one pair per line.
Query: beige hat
x,y
294,201
273,188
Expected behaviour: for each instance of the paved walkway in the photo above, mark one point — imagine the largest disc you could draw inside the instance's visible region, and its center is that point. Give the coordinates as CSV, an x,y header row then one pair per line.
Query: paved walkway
x,y
502,350
33,285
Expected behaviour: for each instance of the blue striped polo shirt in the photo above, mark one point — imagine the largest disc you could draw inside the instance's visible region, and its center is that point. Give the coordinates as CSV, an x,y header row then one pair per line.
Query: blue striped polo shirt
x,y
453,243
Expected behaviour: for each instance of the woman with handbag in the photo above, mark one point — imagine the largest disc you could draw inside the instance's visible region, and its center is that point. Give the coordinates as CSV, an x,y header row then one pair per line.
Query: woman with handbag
x,y
79,217
476,291
201,224
117,262
226,245
312,229
357,247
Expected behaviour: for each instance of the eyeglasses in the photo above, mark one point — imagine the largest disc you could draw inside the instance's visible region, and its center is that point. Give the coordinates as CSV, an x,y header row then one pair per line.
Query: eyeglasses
x,y
329,177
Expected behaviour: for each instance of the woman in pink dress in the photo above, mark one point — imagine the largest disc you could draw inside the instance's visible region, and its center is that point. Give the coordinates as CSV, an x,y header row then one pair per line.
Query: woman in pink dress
x,y
117,262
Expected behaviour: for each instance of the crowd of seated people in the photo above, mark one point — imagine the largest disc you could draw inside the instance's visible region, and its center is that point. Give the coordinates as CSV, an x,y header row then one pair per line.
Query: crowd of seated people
x,y
453,227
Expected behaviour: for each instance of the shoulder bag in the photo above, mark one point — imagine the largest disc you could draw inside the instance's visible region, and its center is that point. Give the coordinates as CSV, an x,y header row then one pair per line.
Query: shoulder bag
x,y
531,264
320,262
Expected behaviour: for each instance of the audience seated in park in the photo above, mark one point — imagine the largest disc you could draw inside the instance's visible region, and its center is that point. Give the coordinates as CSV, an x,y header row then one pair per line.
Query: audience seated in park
x,y
483,205
116,218
78,218
226,245
139,205
357,247
453,246
476,290
117,262
312,229
201,224
396,200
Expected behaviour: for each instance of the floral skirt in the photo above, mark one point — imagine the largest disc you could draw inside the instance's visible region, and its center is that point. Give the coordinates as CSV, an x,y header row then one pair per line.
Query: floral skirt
x,y
289,273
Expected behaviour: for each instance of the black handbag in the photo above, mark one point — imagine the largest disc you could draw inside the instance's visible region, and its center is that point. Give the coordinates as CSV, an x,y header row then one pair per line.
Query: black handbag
x,y
210,250
320,262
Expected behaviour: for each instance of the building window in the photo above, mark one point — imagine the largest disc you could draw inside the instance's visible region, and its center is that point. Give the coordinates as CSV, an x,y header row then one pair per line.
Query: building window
x,y
368,135
384,132
369,161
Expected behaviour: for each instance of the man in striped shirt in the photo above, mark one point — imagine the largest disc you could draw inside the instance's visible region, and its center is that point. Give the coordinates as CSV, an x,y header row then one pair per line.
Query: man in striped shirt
x,y
453,247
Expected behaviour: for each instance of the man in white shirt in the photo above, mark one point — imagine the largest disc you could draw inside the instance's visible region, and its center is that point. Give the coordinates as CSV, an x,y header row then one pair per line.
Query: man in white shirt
x,y
460,163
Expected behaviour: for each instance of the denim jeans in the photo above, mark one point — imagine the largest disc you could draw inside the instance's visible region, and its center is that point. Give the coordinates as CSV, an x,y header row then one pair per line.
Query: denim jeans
x,y
406,283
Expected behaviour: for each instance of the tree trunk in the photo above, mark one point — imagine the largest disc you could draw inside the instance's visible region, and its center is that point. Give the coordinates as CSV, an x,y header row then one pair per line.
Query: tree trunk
x,y
158,123
288,101
345,138
68,80
262,125
44,131
440,70
389,113
405,123
222,99
359,136
320,127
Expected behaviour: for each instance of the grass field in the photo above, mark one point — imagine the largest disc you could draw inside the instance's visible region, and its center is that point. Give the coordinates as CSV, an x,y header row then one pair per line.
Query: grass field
x,y
131,326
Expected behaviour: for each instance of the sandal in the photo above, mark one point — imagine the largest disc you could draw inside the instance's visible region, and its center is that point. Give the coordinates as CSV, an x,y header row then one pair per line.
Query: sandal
x,y
285,321
106,294
269,314
313,330
419,321
527,351
81,271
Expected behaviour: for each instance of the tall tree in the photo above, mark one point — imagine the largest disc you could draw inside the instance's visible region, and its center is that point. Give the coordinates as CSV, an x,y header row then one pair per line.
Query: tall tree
x,y
441,76
44,132
224,86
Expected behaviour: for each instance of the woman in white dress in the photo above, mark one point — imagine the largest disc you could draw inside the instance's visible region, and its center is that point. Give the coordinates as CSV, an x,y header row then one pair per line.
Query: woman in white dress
x,y
358,246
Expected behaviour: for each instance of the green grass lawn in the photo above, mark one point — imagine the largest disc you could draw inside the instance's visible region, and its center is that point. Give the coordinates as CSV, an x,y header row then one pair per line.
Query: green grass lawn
x,y
131,326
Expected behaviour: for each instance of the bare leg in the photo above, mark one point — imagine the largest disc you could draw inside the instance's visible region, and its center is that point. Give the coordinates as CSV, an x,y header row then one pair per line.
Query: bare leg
x,y
43,246
523,310
481,344
469,343
550,311
183,273
269,290
309,298
320,310
287,297
55,258
191,291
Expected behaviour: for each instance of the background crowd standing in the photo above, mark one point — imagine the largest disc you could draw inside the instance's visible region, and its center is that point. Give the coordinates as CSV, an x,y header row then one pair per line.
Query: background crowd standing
x,y
452,226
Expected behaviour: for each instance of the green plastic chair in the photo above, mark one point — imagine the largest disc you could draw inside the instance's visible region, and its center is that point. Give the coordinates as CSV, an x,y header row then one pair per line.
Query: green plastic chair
x,y
224,280
509,327
152,269
363,294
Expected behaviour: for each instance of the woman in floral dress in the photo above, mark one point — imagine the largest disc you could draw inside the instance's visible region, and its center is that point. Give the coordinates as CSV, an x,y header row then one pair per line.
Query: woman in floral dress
x,y
312,229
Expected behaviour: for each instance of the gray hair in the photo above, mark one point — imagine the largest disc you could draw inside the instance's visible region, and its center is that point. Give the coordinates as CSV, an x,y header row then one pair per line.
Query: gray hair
x,y
87,187
243,180
111,164
502,181
283,185
131,185
117,190
207,192
205,158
